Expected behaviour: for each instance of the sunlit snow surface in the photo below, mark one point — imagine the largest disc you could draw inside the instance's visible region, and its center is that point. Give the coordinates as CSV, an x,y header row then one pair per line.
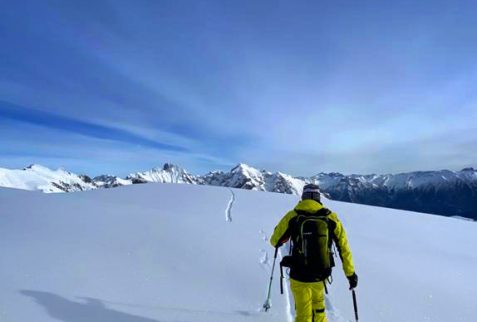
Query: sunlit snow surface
x,y
167,253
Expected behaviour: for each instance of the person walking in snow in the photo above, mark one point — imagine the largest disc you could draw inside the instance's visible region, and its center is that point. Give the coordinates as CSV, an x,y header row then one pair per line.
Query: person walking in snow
x,y
312,229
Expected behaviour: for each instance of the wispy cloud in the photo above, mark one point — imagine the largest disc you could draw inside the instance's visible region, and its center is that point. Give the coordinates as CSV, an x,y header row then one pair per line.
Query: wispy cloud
x,y
297,87
28,143
52,121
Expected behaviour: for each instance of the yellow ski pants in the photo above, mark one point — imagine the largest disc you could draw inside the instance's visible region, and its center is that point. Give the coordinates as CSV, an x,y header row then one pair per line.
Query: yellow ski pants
x,y
309,301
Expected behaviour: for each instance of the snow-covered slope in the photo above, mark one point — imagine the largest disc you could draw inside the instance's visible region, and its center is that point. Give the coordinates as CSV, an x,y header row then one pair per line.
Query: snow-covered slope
x,y
37,177
162,252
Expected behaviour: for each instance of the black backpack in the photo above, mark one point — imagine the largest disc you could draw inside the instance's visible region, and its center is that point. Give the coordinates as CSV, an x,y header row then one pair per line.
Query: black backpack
x,y
312,237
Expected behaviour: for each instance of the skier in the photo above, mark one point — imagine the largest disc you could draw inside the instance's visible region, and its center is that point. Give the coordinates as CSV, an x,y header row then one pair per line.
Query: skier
x,y
312,229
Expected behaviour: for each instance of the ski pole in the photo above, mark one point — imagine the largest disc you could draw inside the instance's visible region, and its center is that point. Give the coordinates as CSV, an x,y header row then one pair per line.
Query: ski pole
x,y
355,305
281,278
267,304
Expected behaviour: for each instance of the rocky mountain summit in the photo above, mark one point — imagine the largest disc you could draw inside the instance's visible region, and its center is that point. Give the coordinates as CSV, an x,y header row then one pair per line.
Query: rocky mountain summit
x,y
169,173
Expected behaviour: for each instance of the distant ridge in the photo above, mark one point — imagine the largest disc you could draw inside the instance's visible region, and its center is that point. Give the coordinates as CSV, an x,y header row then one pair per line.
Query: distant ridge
x,y
445,192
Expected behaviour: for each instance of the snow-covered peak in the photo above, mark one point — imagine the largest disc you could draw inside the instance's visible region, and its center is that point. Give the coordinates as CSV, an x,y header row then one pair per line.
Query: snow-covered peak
x,y
245,169
169,173
171,167
284,183
439,192
109,181
37,177
400,181
468,174
36,167
422,179
241,176
246,177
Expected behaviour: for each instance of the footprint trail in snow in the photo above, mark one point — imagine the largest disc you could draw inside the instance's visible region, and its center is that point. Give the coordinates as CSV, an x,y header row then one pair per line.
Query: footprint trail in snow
x,y
264,235
264,259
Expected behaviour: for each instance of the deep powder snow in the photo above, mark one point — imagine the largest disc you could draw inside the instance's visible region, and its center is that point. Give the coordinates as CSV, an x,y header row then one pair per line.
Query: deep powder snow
x,y
163,252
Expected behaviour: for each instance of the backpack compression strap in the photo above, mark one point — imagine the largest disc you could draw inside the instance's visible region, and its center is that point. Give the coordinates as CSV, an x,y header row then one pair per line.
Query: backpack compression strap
x,y
321,212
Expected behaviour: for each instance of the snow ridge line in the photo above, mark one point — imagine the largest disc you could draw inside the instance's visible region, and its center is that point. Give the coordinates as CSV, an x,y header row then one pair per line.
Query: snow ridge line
x,y
228,210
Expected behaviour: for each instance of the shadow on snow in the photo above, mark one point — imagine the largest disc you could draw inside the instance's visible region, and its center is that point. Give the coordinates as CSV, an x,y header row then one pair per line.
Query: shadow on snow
x,y
92,310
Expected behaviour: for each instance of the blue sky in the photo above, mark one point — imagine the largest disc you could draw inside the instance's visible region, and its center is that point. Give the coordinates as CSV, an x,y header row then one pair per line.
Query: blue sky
x,y
293,86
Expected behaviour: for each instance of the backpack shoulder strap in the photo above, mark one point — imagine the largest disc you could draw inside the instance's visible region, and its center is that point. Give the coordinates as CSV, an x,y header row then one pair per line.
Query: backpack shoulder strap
x,y
301,212
323,212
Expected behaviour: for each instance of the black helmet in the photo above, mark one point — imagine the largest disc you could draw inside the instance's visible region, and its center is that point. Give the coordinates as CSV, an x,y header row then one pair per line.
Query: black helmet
x,y
311,191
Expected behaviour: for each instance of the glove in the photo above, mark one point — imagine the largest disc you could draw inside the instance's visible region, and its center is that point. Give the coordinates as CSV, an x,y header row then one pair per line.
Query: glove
x,y
287,261
353,281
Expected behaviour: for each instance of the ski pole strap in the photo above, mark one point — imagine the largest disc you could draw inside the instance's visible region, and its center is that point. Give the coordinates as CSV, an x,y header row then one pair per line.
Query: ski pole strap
x,y
355,305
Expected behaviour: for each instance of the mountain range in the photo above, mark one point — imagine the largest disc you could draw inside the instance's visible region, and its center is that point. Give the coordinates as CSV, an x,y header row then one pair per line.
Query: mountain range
x,y
449,193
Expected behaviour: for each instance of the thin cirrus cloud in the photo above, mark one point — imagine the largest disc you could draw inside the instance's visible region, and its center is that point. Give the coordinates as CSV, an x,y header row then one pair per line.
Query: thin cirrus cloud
x,y
57,122
296,87
33,143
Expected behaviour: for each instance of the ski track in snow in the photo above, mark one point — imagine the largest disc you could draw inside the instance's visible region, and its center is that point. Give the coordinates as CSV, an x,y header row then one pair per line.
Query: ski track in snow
x,y
228,210
265,262
286,293
332,313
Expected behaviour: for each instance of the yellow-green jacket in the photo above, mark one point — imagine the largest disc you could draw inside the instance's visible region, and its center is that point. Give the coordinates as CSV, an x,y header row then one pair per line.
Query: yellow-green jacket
x,y
281,233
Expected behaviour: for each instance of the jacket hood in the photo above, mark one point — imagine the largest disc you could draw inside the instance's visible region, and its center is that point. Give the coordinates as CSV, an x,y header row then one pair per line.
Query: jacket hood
x,y
308,205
